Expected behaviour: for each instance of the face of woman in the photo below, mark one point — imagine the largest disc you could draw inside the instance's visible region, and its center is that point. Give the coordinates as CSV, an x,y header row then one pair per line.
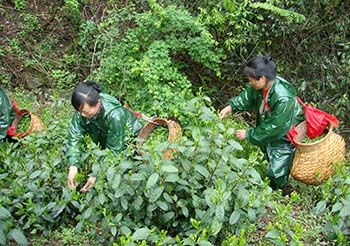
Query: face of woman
x,y
258,84
89,111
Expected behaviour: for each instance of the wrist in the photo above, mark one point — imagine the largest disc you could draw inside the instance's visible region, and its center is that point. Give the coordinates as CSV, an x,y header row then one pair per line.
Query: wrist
x,y
73,170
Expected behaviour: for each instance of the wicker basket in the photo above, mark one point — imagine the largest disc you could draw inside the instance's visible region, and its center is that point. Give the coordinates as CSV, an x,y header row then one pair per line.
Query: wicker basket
x,y
314,162
36,124
174,133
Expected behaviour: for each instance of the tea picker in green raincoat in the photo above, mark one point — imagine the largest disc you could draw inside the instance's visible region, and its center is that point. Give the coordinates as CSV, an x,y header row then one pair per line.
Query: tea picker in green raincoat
x,y
104,119
7,114
274,101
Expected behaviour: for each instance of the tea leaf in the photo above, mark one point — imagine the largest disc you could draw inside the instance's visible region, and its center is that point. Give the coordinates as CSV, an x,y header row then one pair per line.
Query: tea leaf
x,y
18,236
152,180
202,170
140,234
234,217
4,213
2,237
169,169
273,234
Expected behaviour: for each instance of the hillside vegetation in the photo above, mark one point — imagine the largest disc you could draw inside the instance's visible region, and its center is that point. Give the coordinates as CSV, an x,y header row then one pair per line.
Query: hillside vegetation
x,y
176,59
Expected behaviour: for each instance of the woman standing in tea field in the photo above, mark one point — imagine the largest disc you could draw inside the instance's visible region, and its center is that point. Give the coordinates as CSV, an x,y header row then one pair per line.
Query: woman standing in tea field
x,y
274,101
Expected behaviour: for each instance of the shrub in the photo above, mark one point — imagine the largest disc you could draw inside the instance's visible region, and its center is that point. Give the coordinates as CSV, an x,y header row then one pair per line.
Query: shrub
x,y
146,65
209,189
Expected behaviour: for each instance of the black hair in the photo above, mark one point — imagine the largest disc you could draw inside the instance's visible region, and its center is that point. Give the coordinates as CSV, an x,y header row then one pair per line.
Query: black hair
x,y
260,66
86,92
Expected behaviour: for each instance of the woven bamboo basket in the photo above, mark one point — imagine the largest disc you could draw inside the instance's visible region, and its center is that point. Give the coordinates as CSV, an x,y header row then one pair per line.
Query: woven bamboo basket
x,y
173,135
314,162
36,124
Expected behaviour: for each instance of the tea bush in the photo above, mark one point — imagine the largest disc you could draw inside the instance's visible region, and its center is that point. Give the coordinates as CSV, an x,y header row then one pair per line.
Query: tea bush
x,y
334,203
8,230
209,189
213,191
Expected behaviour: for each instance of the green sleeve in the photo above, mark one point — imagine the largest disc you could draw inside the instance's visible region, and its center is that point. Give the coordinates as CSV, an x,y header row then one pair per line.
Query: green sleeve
x,y
116,130
276,126
75,137
244,101
5,114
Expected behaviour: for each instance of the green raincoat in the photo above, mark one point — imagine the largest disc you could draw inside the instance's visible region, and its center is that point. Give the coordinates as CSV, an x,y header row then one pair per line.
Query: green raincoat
x,y
272,124
109,129
7,114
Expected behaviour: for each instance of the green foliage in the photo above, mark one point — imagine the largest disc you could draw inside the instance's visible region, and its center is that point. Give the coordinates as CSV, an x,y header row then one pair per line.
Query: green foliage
x,y
230,21
285,229
210,192
318,52
239,26
64,237
156,57
87,33
23,124
239,240
20,4
207,188
8,230
72,5
30,24
14,47
5,79
146,64
289,15
63,78
335,204
71,8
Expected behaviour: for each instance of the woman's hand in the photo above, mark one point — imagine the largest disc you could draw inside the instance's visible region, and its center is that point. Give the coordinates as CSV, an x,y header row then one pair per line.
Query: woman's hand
x,y
70,179
241,134
89,183
225,111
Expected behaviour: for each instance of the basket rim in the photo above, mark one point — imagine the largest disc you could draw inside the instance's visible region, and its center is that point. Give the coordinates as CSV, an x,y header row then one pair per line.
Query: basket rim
x,y
151,125
330,130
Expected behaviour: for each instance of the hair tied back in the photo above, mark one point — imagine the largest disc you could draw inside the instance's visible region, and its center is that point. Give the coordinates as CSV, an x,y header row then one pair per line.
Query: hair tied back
x,y
267,59
93,84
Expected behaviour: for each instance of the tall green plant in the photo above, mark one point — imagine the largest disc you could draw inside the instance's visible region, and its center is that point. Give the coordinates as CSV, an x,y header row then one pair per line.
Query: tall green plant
x,y
147,65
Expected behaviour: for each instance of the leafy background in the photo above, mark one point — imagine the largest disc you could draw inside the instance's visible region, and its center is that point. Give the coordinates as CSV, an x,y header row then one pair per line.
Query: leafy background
x,y
179,59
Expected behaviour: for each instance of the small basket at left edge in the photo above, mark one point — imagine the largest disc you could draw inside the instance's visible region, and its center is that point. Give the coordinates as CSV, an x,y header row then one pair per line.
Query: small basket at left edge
x,y
36,124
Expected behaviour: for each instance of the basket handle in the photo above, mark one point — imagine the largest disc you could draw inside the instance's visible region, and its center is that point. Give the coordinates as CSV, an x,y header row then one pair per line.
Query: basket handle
x,y
141,115
15,106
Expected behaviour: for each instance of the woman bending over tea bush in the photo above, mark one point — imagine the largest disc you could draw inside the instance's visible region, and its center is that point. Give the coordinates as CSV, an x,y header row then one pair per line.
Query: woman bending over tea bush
x,y
273,100
7,114
103,118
